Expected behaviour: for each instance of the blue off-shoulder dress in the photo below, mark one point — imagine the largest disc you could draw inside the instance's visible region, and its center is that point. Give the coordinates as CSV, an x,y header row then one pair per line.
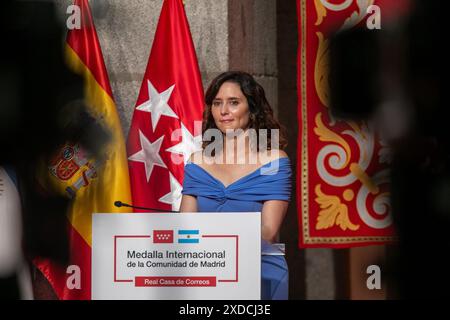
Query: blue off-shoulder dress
x,y
272,181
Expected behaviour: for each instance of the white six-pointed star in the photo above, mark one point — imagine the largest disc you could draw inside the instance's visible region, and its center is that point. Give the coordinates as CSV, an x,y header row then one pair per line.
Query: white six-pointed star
x,y
174,196
188,145
157,104
149,154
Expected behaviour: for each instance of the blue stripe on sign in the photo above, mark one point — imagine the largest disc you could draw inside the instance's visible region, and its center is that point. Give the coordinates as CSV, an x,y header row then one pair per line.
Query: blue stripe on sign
x,y
188,241
188,232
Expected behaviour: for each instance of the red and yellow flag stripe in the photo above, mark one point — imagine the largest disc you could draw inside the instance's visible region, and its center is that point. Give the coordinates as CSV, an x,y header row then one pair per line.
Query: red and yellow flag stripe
x,y
110,182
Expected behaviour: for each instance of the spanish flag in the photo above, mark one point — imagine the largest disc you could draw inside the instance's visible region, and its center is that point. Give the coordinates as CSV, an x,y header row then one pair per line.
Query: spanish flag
x,y
93,184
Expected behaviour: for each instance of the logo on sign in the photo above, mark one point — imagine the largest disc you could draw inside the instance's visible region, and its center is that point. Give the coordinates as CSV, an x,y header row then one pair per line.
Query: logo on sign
x,y
162,236
188,236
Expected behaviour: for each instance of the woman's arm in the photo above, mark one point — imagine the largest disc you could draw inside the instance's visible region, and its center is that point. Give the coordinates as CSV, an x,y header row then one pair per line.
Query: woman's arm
x,y
273,211
188,203
272,215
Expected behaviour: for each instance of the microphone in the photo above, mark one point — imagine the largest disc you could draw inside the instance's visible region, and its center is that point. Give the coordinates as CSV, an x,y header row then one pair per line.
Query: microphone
x,y
123,204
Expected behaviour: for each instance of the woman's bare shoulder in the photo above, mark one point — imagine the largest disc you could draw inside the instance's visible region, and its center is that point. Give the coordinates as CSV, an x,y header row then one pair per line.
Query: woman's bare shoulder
x,y
280,154
200,159
273,155
196,157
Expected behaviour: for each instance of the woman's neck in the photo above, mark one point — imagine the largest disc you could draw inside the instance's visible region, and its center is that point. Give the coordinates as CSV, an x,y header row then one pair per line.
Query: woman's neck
x,y
237,149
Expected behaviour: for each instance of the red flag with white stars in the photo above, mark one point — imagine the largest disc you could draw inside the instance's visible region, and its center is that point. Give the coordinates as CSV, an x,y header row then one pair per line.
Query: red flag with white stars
x,y
166,125
162,236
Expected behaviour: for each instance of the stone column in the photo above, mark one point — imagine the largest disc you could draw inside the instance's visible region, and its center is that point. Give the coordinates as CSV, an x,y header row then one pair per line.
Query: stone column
x,y
252,42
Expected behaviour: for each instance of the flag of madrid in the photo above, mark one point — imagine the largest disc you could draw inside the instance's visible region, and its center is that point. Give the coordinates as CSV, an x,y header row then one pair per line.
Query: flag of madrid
x,y
166,124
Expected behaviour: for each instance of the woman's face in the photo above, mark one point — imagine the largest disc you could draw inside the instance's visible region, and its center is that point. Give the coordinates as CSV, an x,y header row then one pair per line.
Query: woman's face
x,y
230,108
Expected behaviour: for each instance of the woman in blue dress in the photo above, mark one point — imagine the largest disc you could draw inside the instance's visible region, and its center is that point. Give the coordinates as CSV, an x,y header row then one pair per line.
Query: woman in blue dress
x,y
240,170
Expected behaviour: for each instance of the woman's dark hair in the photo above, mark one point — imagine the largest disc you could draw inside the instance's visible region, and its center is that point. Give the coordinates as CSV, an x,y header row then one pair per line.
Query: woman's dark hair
x,y
261,113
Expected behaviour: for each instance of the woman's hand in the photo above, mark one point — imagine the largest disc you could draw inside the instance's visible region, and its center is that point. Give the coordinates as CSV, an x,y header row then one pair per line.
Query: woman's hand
x,y
272,215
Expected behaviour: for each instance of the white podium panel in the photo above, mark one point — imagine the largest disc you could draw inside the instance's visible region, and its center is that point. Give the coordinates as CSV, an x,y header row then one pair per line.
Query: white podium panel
x,y
176,256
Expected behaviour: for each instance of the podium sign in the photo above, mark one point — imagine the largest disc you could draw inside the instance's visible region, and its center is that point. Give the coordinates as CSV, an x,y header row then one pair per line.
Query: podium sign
x,y
176,256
